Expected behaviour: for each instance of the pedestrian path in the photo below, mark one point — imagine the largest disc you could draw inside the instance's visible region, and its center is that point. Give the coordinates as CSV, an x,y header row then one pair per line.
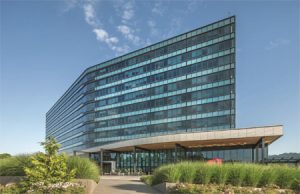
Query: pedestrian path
x,y
123,185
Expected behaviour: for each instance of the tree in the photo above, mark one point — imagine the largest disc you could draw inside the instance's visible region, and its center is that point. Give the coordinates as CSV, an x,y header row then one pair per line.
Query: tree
x,y
4,155
48,168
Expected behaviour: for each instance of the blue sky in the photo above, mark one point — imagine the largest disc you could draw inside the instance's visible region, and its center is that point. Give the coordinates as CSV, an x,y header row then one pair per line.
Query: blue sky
x,y
45,46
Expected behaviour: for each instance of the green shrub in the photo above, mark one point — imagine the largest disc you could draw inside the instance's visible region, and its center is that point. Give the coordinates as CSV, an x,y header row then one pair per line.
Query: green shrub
x,y
253,174
12,189
219,174
4,155
187,172
268,176
85,168
14,166
296,185
47,168
17,189
203,173
167,173
236,174
285,176
147,179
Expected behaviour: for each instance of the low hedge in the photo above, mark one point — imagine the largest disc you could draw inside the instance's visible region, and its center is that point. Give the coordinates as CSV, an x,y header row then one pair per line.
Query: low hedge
x,y
236,174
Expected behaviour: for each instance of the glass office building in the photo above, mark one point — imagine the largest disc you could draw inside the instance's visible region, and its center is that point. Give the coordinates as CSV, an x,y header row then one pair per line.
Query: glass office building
x,y
183,85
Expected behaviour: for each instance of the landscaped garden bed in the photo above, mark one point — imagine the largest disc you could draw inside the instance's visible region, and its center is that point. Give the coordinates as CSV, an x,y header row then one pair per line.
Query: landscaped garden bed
x,y
48,172
200,177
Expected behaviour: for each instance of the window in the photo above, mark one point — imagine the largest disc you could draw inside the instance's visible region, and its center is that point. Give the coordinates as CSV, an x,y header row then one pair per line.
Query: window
x,y
159,102
101,82
158,90
101,114
174,60
159,115
113,111
101,103
134,72
159,77
159,65
112,100
175,112
175,126
175,99
135,83
172,87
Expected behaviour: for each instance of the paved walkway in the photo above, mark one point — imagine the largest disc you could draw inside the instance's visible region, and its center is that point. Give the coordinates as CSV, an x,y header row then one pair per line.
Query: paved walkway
x,y
123,185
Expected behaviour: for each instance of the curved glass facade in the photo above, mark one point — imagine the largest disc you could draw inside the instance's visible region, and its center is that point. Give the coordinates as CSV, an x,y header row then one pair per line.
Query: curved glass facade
x,y
183,84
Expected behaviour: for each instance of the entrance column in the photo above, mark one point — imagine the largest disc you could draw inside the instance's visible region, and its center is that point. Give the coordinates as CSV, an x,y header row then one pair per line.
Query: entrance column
x,y
175,154
253,155
262,150
149,161
134,160
101,160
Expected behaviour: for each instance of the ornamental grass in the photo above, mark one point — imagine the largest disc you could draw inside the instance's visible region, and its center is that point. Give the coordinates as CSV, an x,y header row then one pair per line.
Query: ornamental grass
x,y
236,174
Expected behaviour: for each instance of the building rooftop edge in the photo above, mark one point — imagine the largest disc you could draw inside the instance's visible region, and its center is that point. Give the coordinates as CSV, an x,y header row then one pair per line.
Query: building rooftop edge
x,y
120,57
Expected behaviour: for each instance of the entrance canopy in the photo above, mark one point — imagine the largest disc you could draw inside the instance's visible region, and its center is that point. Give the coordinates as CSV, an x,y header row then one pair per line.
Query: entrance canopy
x,y
218,138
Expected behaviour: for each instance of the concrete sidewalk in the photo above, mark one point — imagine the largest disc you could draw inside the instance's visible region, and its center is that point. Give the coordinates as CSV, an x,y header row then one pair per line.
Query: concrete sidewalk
x,y
123,185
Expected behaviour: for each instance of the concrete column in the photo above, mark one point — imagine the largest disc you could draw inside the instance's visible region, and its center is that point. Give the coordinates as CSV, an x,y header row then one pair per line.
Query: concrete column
x,y
134,160
74,153
262,150
149,160
175,153
101,160
256,154
253,155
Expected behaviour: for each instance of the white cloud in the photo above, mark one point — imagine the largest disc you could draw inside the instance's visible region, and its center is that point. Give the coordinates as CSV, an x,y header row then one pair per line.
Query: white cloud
x,y
128,11
103,36
70,4
90,15
128,33
124,29
153,29
158,8
120,49
277,43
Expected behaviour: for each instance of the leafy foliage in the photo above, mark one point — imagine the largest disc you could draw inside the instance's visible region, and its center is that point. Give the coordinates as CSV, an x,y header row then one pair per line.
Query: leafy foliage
x,y
14,166
4,155
17,189
48,168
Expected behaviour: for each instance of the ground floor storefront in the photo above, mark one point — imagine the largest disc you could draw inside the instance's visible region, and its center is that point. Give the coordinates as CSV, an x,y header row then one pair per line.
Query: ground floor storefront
x,y
147,160
145,154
